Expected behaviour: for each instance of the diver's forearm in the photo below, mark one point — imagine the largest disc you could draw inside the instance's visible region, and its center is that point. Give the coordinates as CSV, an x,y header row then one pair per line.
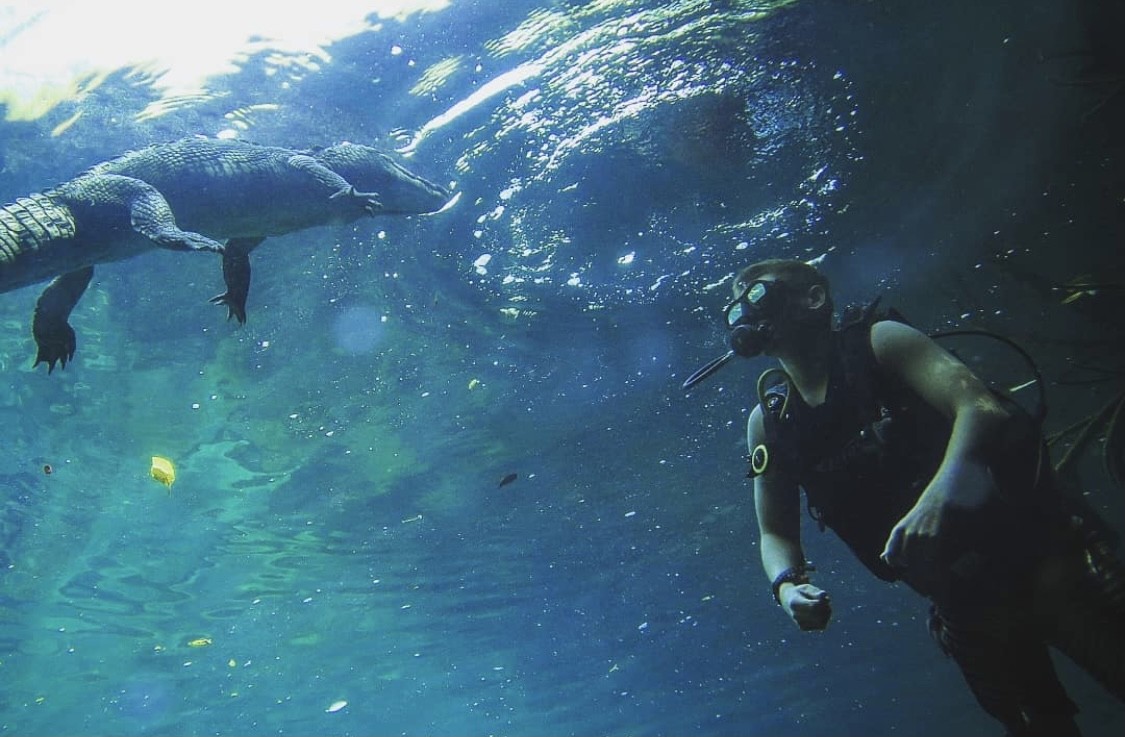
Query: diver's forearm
x,y
778,554
974,429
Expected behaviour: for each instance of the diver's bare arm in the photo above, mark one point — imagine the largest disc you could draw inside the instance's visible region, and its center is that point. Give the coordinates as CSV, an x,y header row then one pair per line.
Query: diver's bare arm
x,y
943,382
777,501
962,479
778,506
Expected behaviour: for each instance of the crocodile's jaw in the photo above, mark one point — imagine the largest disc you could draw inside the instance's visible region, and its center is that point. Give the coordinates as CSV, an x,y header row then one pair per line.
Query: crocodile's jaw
x,y
404,192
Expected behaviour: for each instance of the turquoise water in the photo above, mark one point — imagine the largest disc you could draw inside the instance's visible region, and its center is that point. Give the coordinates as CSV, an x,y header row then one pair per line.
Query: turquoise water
x,y
337,555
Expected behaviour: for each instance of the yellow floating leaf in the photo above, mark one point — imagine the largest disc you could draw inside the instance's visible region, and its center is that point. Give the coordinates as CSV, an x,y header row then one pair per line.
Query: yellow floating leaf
x,y
163,471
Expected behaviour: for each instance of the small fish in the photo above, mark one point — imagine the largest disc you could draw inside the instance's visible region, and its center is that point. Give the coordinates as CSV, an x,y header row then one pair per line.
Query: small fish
x,y
199,642
508,479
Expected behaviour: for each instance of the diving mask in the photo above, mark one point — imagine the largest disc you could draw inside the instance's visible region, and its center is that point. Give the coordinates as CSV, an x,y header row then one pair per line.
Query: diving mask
x,y
751,315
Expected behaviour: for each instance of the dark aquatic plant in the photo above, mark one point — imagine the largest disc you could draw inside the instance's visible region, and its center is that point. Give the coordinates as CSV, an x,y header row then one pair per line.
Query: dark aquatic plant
x,y
1106,425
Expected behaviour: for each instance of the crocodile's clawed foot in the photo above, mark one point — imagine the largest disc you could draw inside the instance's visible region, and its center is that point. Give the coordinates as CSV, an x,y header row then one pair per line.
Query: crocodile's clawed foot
x,y
203,244
186,241
369,200
235,307
56,345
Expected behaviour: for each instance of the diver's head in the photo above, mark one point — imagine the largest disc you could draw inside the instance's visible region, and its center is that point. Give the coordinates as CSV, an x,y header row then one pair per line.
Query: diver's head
x,y
778,305
775,298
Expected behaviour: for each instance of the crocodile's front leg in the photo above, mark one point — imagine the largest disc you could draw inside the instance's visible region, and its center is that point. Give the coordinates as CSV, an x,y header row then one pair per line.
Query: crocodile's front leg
x,y
236,274
336,185
52,332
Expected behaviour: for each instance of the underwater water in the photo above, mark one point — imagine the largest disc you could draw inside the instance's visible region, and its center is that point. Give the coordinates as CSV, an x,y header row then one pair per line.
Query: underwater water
x,y
338,554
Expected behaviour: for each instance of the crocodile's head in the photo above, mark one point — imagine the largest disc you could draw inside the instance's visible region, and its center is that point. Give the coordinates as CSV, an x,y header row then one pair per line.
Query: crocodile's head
x,y
370,170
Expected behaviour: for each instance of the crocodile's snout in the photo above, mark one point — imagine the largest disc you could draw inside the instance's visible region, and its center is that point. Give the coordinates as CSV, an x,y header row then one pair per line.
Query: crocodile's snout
x,y
411,193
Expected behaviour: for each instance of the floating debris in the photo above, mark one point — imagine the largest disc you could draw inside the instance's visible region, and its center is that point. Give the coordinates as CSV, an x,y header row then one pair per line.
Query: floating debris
x,y
47,469
163,471
335,706
199,642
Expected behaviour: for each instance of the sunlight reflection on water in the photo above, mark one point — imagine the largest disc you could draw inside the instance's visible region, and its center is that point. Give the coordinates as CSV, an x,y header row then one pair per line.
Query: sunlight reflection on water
x,y
55,50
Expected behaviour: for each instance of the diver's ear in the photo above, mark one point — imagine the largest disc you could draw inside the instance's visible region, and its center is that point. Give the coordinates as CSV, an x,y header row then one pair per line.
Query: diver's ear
x,y
817,296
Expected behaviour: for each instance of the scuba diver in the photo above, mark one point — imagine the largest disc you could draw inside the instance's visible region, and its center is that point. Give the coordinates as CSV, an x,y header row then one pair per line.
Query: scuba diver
x,y
932,479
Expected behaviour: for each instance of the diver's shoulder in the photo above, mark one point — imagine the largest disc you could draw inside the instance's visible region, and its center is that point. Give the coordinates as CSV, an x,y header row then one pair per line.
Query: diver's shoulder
x,y
894,327
892,334
896,345
755,425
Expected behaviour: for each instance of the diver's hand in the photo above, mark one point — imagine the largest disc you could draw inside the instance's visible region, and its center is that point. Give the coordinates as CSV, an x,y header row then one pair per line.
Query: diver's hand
x,y
913,542
917,541
806,605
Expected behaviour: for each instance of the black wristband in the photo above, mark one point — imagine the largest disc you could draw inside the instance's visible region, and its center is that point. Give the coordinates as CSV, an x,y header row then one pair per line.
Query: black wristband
x,y
794,575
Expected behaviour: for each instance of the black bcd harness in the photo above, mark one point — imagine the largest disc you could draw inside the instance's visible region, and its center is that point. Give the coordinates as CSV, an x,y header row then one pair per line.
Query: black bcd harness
x,y
856,426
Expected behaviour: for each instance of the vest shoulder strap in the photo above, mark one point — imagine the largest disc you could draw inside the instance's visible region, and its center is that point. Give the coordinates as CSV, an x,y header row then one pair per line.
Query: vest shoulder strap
x,y
852,338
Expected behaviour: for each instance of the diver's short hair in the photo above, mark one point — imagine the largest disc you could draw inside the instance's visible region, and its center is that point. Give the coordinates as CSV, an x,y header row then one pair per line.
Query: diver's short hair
x,y
797,273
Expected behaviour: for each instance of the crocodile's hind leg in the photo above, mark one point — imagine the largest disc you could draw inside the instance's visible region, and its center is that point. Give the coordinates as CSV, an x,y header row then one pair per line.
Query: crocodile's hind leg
x,y
151,216
236,274
53,334
101,197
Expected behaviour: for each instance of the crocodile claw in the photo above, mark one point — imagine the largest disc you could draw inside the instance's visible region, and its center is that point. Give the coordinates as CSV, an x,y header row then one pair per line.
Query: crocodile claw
x,y
203,244
369,200
56,345
235,309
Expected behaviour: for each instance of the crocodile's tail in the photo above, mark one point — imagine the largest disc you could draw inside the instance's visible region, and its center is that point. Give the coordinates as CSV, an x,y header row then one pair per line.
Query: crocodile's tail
x,y
30,223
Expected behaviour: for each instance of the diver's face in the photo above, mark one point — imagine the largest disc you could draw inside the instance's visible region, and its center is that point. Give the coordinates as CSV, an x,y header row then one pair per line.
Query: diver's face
x,y
753,315
770,314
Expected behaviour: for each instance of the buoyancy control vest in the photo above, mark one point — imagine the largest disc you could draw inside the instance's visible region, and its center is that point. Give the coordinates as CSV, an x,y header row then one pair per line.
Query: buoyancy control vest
x,y
862,456
866,453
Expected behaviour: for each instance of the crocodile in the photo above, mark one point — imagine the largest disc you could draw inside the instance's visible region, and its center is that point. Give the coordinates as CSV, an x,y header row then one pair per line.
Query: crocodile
x,y
195,194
